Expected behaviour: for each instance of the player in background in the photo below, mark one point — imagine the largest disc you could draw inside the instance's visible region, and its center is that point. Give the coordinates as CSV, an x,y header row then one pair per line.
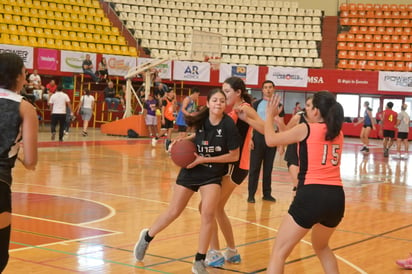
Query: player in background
x,y
389,119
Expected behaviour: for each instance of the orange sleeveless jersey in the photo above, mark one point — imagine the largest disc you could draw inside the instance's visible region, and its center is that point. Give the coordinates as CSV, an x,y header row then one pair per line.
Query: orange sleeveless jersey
x,y
389,119
169,108
245,153
319,159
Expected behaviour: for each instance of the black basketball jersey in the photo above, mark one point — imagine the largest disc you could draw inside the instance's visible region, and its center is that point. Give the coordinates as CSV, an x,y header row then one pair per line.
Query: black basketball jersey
x,y
10,132
212,140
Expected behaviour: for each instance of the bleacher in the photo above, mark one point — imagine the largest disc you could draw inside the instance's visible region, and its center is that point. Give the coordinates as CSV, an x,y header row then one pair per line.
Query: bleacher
x,y
375,37
78,25
254,32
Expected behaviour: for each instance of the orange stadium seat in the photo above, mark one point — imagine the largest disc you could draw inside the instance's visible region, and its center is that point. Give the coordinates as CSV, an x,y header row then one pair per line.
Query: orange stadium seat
x,y
379,55
370,55
380,65
390,65
370,65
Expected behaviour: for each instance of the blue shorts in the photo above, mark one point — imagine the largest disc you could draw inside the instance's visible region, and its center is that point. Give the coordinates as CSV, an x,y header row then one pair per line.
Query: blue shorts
x,y
313,204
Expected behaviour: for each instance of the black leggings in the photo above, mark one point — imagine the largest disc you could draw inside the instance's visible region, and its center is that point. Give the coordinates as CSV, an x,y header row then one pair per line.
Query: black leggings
x,y
4,247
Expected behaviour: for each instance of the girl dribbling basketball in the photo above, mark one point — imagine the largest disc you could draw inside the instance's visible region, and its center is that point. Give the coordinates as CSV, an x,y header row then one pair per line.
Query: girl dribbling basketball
x,y
217,141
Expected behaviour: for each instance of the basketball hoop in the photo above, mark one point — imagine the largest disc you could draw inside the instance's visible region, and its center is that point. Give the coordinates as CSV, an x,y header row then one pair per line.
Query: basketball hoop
x,y
214,62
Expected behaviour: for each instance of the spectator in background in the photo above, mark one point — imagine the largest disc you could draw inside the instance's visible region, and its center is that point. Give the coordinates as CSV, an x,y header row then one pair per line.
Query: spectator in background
x,y
403,131
187,108
110,97
159,92
389,119
88,68
50,89
58,102
260,153
149,112
86,109
297,108
35,80
35,85
122,95
102,69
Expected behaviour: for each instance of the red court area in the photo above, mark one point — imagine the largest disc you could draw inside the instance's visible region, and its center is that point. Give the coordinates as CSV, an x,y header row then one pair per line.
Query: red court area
x,y
45,219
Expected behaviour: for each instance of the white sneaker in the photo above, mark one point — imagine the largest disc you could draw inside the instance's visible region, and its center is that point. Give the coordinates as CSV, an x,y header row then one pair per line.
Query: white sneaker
x,y
405,156
397,156
199,267
141,246
232,256
154,142
214,258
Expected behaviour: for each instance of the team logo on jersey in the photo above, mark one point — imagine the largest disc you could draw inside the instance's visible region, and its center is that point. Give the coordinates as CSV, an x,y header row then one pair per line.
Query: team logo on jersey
x,y
205,143
219,132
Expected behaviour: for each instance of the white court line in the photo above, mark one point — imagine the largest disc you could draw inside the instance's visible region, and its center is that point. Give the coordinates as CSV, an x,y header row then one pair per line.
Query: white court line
x,y
111,209
111,232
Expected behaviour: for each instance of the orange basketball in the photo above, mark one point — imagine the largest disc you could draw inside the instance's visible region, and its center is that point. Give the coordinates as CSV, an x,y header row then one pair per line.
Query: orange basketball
x,y
182,153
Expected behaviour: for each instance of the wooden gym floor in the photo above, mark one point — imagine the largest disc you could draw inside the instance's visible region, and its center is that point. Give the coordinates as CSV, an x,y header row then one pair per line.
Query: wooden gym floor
x,y
81,211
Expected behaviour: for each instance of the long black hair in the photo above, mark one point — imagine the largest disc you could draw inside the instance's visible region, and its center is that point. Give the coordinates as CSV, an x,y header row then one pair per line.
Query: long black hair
x,y
237,84
11,66
331,112
197,120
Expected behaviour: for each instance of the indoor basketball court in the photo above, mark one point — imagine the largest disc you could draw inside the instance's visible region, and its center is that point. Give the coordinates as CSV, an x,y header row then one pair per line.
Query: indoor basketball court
x,y
83,208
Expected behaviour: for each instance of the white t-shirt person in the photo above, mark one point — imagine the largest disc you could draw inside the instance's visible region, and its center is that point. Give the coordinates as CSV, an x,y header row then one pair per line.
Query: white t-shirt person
x,y
59,101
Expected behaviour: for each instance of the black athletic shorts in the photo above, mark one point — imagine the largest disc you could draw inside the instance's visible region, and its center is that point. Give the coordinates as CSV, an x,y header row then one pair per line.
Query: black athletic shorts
x,y
323,204
402,135
388,133
195,185
291,155
237,174
167,124
5,197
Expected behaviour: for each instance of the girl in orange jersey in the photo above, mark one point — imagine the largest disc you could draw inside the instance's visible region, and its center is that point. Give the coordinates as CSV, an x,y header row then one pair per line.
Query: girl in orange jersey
x,y
319,203
240,102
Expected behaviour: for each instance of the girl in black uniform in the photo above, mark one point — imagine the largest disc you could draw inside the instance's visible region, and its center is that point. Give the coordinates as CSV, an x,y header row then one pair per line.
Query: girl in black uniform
x,y
217,141
291,154
18,120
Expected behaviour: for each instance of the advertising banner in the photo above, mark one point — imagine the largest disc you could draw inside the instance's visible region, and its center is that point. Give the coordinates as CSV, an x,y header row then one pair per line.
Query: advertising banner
x,y
395,81
164,70
249,73
288,77
26,53
71,61
47,59
118,65
191,71
343,81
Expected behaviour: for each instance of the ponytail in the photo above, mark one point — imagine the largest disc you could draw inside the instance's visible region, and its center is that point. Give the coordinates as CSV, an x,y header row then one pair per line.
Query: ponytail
x,y
197,120
334,120
331,112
